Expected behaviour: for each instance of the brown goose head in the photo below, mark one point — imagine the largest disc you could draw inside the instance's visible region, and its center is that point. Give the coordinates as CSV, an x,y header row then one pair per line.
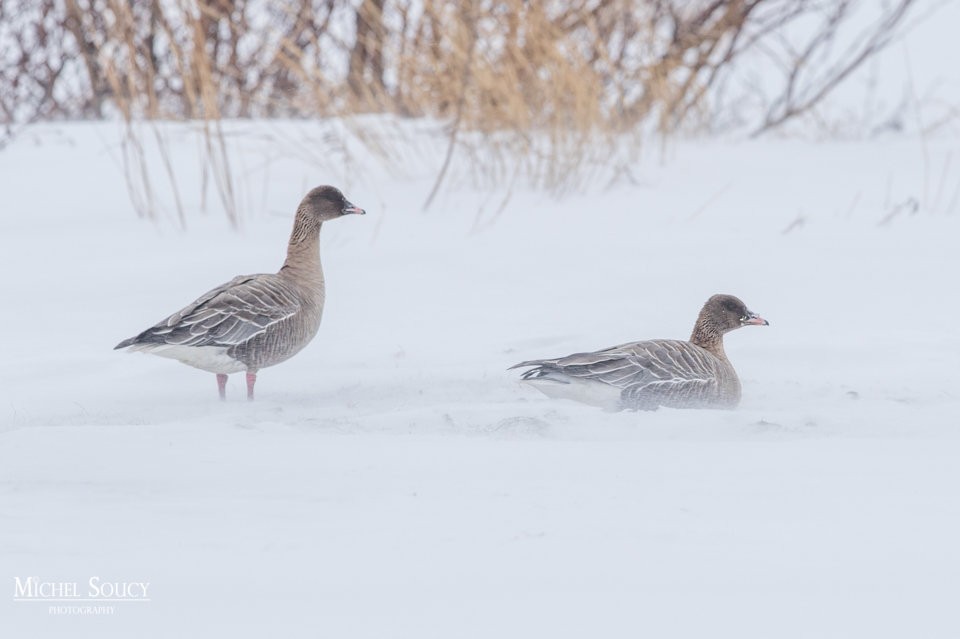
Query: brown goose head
x,y
722,314
326,203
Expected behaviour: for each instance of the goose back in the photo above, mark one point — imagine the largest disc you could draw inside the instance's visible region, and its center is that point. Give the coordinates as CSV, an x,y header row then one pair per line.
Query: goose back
x,y
646,375
248,323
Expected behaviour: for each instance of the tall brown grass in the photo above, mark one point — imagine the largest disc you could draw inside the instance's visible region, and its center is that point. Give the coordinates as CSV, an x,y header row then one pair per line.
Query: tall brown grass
x,y
539,80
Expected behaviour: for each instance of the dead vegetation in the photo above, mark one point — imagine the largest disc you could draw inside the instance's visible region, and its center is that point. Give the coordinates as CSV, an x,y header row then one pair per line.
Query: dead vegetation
x,y
544,81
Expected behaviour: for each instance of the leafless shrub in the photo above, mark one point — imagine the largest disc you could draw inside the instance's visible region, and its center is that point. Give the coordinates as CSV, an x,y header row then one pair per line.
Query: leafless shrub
x,y
538,84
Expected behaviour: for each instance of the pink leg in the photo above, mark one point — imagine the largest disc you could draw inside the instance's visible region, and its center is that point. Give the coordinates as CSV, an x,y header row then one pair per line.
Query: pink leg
x,y
251,380
222,385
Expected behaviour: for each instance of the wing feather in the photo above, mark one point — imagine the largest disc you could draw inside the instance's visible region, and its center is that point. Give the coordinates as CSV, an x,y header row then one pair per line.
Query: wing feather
x,y
649,374
228,315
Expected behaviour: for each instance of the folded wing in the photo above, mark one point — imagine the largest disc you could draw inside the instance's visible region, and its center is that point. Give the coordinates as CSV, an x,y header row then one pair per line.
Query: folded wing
x,y
229,315
648,374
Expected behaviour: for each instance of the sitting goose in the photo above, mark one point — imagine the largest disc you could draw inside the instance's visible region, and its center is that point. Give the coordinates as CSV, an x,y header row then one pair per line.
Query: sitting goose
x,y
254,321
654,373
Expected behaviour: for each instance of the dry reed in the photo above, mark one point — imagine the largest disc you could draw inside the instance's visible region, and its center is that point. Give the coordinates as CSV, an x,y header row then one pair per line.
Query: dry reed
x,y
538,84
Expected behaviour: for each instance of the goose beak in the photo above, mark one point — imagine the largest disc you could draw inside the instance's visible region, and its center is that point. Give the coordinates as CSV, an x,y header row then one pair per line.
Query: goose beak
x,y
752,319
349,208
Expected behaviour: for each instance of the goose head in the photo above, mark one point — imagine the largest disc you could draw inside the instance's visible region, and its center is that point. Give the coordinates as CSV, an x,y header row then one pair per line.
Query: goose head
x,y
327,203
724,313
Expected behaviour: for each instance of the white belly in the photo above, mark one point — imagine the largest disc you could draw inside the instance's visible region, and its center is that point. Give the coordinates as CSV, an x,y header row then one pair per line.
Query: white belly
x,y
589,392
213,359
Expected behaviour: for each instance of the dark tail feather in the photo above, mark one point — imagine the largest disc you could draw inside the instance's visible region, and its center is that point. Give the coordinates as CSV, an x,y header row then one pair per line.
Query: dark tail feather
x,y
130,341
532,362
539,368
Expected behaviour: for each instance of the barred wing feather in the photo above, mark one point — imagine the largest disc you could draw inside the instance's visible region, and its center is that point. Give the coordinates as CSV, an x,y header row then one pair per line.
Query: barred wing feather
x,y
649,374
229,315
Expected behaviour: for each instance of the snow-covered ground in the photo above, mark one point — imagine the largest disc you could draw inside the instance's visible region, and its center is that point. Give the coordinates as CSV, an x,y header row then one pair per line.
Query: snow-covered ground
x,y
394,480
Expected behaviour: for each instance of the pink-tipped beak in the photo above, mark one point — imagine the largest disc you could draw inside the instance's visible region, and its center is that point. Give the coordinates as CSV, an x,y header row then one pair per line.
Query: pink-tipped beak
x,y
755,320
353,209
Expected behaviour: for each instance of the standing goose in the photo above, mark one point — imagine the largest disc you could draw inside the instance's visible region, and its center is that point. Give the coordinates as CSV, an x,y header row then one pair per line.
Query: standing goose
x,y
660,372
254,321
